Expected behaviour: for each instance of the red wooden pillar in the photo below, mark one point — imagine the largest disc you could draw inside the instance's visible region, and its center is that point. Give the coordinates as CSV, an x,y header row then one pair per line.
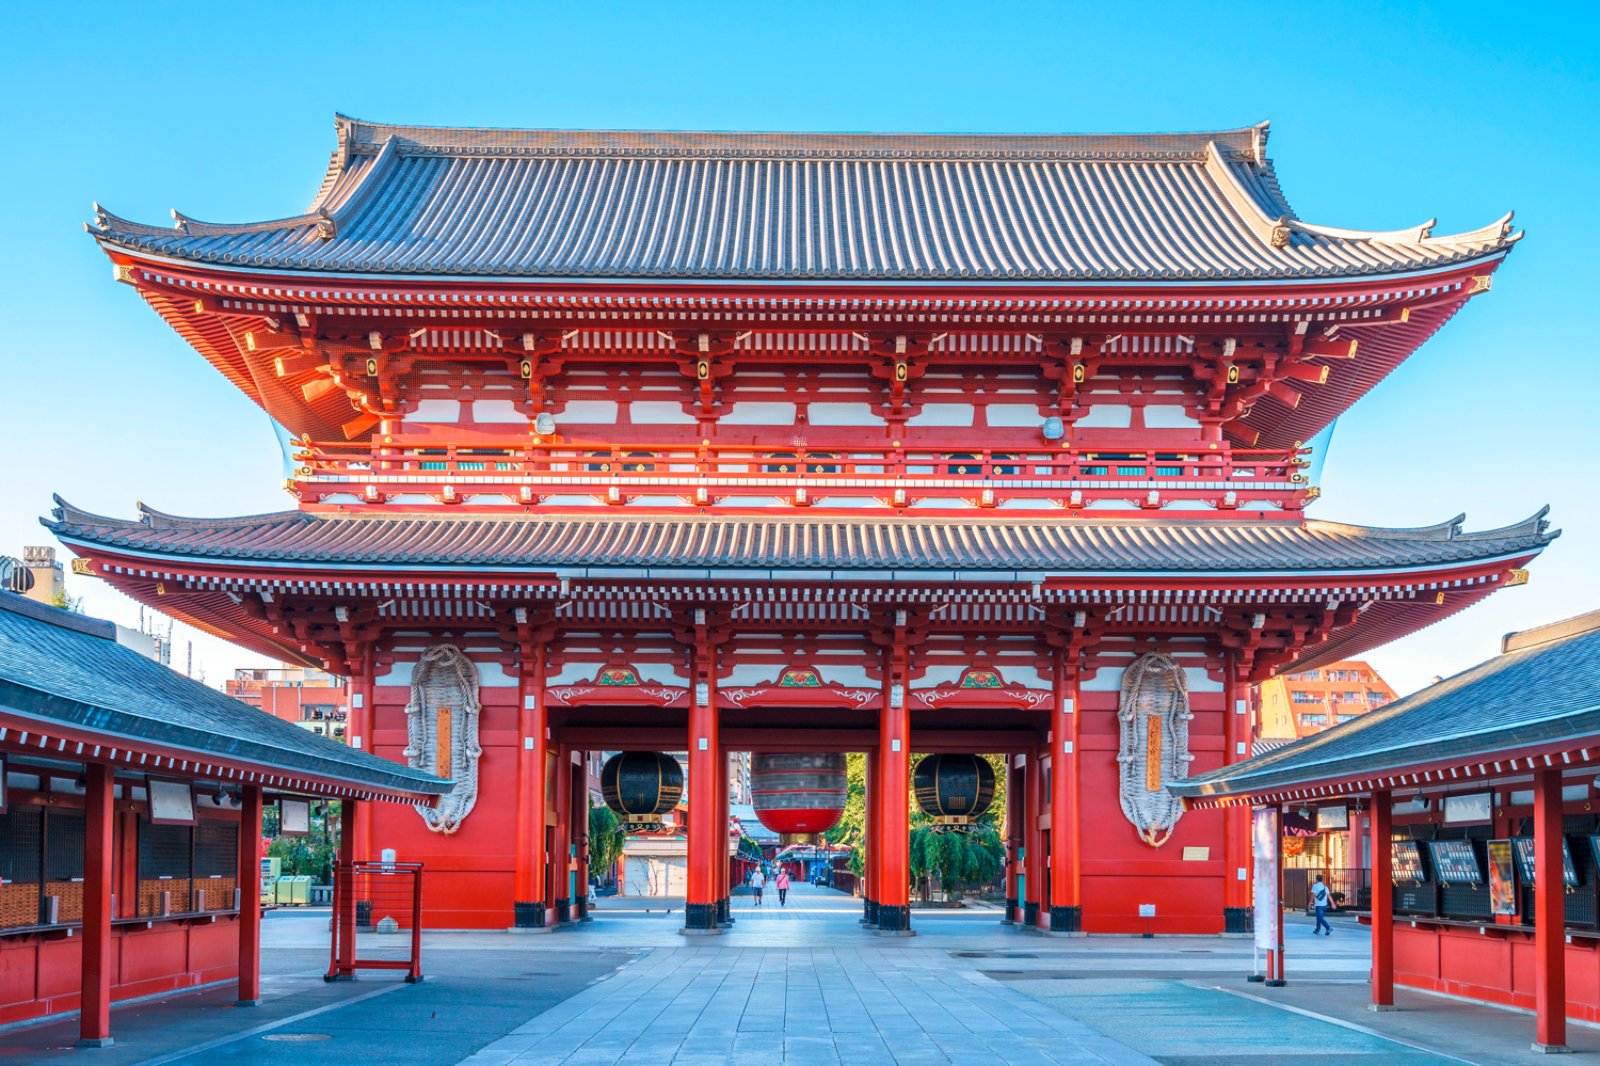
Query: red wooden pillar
x,y
359,726
1236,848
561,858
724,912
249,882
94,1022
894,814
349,814
869,871
1014,797
580,829
1549,909
700,910
529,898
1066,915
1032,842
1382,902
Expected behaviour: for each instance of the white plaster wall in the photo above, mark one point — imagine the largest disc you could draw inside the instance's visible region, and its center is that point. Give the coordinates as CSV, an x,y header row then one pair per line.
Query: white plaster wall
x,y
659,413
943,414
756,413
1013,415
842,414
497,411
431,411
1168,416
1107,416
603,412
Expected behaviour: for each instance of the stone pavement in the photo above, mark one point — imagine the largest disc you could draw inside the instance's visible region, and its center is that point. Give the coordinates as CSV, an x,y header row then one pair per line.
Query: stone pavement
x,y
804,983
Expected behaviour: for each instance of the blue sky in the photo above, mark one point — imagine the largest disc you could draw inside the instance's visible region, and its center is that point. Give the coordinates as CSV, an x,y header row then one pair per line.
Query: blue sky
x,y
1383,115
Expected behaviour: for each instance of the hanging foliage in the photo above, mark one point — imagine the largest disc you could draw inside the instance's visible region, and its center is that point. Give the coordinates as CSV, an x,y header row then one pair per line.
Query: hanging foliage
x,y
606,838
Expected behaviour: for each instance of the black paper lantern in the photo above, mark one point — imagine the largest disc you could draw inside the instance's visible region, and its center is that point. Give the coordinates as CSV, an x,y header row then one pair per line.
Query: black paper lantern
x,y
641,786
954,790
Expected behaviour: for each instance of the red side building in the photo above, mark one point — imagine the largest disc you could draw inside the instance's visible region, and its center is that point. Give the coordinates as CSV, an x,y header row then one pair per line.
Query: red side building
x,y
605,439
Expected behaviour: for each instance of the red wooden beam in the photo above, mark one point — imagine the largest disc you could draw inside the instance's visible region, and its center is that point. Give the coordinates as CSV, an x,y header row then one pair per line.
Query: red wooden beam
x,y
249,882
1549,908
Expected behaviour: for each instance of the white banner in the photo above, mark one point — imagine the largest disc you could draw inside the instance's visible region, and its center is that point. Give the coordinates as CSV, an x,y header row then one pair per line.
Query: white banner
x,y
1266,838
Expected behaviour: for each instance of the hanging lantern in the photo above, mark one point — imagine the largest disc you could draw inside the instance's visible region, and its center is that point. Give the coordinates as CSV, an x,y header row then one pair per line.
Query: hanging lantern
x,y
798,795
954,790
641,786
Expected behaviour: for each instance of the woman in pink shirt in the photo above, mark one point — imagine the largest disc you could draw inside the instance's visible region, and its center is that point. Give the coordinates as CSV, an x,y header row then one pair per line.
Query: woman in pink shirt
x,y
782,885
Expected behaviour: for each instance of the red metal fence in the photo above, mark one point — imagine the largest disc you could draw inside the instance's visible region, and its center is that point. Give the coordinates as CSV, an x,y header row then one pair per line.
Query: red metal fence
x,y
377,916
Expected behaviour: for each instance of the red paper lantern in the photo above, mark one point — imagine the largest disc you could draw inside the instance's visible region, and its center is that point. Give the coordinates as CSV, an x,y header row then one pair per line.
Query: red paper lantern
x,y
798,794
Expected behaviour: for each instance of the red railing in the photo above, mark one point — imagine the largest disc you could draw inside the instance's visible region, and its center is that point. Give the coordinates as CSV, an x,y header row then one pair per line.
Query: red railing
x,y
615,471
377,906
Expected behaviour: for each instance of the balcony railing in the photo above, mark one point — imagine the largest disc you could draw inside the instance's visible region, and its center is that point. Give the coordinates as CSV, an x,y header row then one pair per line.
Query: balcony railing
x,y
898,477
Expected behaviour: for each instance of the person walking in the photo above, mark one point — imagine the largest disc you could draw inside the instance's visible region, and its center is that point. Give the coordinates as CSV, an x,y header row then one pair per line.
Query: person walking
x,y
1319,902
781,883
757,881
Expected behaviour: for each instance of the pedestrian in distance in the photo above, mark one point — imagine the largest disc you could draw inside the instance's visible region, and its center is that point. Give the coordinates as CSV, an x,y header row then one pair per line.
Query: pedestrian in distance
x,y
781,883
758,880
1319,902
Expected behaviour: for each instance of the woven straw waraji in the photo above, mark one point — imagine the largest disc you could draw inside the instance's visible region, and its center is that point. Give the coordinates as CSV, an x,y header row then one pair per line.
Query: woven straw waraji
x,y
1155,695
445,677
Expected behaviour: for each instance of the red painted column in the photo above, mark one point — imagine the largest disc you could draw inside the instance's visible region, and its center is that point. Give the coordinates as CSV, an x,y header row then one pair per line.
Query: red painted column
x,y
724,915
529,898
361,721
700,910
561,858
580,828
1032,839
94,1022
894,812
1066,914
1382,902
1014,797
1549,909
869,888
349,814
249,881
1236,846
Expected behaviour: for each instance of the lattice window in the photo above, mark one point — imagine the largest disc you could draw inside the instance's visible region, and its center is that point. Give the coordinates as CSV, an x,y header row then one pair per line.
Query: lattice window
x,y
164,850
21,833
216,848
64,835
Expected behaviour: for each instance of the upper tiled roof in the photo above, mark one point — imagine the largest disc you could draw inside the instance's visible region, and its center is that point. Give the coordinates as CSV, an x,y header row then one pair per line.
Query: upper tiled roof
x,y
757,206
60,667
524,543
1543,693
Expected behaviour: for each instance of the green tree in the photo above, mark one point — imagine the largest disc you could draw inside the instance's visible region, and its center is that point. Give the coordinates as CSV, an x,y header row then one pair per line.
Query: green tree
x,y
65,602
606,838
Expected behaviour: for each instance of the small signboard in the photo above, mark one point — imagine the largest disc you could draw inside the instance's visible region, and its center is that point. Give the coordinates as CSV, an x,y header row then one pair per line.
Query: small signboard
x,y
1407,862
1455,863
294,816
1523,848
1147,910
1333,818
1502,878
1264,835
171,802
1476,807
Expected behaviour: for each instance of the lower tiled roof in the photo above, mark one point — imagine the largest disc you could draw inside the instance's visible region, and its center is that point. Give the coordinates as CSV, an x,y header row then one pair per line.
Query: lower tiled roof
x,y
1542,694
57,667
900,543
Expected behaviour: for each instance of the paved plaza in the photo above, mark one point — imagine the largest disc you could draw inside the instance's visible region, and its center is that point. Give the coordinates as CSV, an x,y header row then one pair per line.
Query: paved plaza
x,y
803,984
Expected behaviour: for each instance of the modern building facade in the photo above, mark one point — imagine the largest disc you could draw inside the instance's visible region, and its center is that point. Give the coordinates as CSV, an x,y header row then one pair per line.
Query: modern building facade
x,y
312,699
1304,702
805,442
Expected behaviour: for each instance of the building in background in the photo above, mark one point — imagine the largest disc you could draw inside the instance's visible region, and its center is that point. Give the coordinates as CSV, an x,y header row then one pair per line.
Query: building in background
x,y
311,699
49,576
1309,701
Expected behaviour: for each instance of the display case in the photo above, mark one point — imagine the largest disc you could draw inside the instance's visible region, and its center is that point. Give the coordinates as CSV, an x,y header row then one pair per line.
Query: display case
x,y
1522,847
1407,863
1455,862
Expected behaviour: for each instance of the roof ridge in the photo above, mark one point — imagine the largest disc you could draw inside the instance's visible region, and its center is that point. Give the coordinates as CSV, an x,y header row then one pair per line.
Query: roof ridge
x,y
1246,143
1551,632
60,617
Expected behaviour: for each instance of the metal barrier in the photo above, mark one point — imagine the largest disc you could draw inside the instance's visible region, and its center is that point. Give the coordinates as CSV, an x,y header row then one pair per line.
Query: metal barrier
x,y
374,903
1347,885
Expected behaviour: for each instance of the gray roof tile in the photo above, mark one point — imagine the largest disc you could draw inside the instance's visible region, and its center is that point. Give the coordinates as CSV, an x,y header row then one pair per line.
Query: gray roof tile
x,y
1544,693
527,543
635,205
69,670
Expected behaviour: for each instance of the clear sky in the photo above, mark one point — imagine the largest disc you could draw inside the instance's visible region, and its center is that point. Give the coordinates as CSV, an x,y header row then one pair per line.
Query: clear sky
x,y
1383,115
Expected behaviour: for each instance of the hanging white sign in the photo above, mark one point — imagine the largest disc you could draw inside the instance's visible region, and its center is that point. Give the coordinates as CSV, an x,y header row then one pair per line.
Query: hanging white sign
x,y
1265,833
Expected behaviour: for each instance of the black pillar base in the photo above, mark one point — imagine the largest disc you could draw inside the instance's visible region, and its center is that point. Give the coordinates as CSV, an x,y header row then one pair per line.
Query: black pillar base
x,y
528,915
563,910
893,919
1066,919
700,916
1011,911
869,911
1030,914
581,906
1238,920
724,911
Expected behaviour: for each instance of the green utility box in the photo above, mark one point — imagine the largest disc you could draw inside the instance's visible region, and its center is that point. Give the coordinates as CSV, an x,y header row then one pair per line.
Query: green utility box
x,y
294,891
